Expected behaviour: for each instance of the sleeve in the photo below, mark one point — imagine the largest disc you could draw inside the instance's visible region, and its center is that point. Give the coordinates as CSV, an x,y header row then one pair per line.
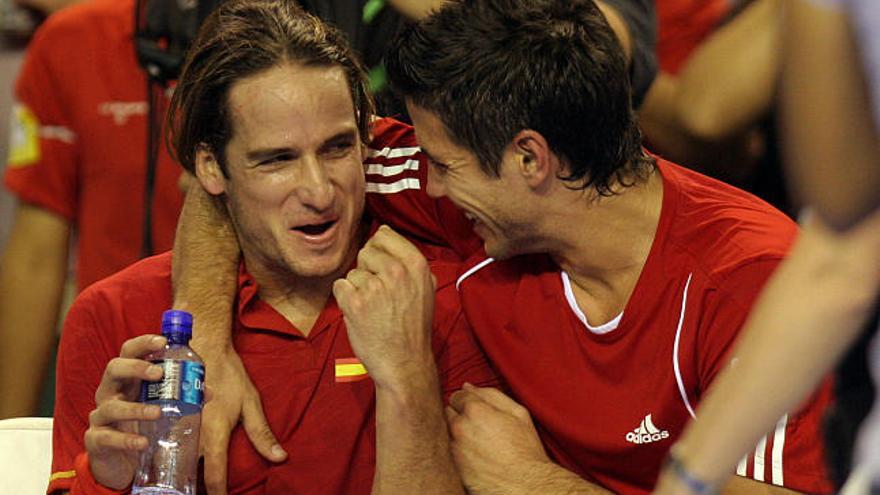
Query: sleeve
x,y
459,357
792,455
397,174
84,483
42,163
641,18
82,357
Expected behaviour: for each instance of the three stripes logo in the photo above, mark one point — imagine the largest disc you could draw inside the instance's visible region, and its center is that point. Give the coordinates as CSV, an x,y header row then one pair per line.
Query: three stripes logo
x,y
392,170
647,432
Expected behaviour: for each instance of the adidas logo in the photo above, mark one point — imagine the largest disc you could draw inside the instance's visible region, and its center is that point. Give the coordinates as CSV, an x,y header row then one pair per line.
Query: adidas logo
x,y
646,433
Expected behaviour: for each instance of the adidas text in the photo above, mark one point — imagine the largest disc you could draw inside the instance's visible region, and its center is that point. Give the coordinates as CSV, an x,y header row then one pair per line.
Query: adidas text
x,y
640,438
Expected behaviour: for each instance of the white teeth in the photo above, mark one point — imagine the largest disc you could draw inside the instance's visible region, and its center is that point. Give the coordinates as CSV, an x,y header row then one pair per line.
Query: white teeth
x,y
470,217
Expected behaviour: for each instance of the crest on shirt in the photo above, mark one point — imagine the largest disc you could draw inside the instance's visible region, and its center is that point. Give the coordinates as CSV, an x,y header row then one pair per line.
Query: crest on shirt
x,y
24,138
350,370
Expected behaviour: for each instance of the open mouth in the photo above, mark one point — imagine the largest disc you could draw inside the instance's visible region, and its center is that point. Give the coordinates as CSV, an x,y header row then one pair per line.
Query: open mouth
x,y
316,229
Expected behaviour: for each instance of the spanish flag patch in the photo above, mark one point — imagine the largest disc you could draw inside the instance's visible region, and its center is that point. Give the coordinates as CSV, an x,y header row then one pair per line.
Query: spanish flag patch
x,y
350,370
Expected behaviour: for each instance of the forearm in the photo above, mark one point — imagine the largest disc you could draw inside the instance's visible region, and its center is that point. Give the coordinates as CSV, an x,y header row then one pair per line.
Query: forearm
x,y
205,269
810,312
552,479
831,139
412,442
32,275
730,80
28,318
618,25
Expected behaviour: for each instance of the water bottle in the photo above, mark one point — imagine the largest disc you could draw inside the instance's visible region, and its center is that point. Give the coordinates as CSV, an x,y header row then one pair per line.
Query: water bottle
x,y
169,464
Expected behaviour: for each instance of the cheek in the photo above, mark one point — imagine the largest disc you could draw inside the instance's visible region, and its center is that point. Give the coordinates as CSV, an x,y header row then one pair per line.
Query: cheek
x,y
269,190
351,180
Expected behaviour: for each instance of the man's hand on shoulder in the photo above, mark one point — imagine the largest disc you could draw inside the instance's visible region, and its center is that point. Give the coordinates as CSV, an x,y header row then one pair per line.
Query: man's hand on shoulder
x,y
234,398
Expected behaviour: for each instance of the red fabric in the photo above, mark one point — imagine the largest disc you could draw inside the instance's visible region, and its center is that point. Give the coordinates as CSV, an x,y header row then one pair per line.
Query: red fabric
x,y
715,245
82,83
587,392
682,26
84,483
394,161
326,426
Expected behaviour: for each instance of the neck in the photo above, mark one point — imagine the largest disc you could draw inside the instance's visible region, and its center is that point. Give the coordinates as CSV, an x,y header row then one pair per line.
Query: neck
x,y
605,255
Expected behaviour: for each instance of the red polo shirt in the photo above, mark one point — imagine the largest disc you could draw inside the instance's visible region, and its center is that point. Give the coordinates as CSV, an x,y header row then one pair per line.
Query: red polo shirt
x,y
79,137
320,409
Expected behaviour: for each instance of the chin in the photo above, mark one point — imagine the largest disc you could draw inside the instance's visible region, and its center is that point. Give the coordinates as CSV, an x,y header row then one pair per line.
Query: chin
x,y
315,266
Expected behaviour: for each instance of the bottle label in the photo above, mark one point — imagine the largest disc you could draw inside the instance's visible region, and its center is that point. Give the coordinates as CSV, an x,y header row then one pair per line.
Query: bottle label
x,y
182,381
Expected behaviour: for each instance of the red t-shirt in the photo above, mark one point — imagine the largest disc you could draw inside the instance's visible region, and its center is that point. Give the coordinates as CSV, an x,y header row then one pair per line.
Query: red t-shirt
x,y
609,402
320,409
79,137
682,26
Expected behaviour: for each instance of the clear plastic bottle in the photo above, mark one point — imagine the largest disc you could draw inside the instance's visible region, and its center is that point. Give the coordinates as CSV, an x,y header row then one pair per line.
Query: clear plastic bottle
x,y
169,465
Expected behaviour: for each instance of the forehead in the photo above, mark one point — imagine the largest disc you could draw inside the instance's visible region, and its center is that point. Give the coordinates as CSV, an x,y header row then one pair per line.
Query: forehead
x,y
434,137
290,100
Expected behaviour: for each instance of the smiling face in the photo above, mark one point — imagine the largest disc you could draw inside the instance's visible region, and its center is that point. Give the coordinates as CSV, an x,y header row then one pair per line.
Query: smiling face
x,y
295,185
495,205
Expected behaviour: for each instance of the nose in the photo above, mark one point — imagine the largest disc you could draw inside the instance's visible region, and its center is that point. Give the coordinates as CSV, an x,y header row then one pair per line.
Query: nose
x,y
315,188
435,187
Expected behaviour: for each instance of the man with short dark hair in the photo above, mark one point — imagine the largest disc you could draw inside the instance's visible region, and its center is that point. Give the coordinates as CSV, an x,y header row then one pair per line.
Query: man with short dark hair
x,y
613,283
271,113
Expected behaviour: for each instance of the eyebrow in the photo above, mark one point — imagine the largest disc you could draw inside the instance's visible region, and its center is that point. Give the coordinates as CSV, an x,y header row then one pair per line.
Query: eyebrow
x,y
260,154
263,153
340,136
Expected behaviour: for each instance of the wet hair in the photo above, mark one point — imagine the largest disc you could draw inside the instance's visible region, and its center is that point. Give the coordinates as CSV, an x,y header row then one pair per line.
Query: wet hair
x,y
491,68
242,38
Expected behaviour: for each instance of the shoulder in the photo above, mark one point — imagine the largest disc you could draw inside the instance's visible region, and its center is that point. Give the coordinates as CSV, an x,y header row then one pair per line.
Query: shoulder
x,y
391,133
481,271
133,297
718,228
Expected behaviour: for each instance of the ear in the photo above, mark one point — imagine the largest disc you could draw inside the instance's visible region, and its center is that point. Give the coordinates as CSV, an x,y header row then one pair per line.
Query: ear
x,y
208,171
535,161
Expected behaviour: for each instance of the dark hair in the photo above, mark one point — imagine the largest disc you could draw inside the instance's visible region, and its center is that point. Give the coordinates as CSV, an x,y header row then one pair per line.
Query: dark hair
x,y
491,68
242,38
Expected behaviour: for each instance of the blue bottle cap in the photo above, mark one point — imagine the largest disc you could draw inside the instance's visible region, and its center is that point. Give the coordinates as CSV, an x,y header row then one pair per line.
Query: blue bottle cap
x,y
177,326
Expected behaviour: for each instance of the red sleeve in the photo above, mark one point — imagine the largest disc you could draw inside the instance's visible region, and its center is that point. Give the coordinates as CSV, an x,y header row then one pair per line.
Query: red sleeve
x,y
83,483
42,164
459,357
82,356
792,455
397,174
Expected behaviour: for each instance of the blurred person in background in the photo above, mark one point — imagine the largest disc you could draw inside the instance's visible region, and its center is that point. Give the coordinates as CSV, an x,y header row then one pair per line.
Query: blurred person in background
x,y
816,311
713,108
78,165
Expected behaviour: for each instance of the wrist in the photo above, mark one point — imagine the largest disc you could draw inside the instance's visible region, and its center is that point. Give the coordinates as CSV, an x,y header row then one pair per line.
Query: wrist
x,y
408,381
210,347
86,480
533,476
677,467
